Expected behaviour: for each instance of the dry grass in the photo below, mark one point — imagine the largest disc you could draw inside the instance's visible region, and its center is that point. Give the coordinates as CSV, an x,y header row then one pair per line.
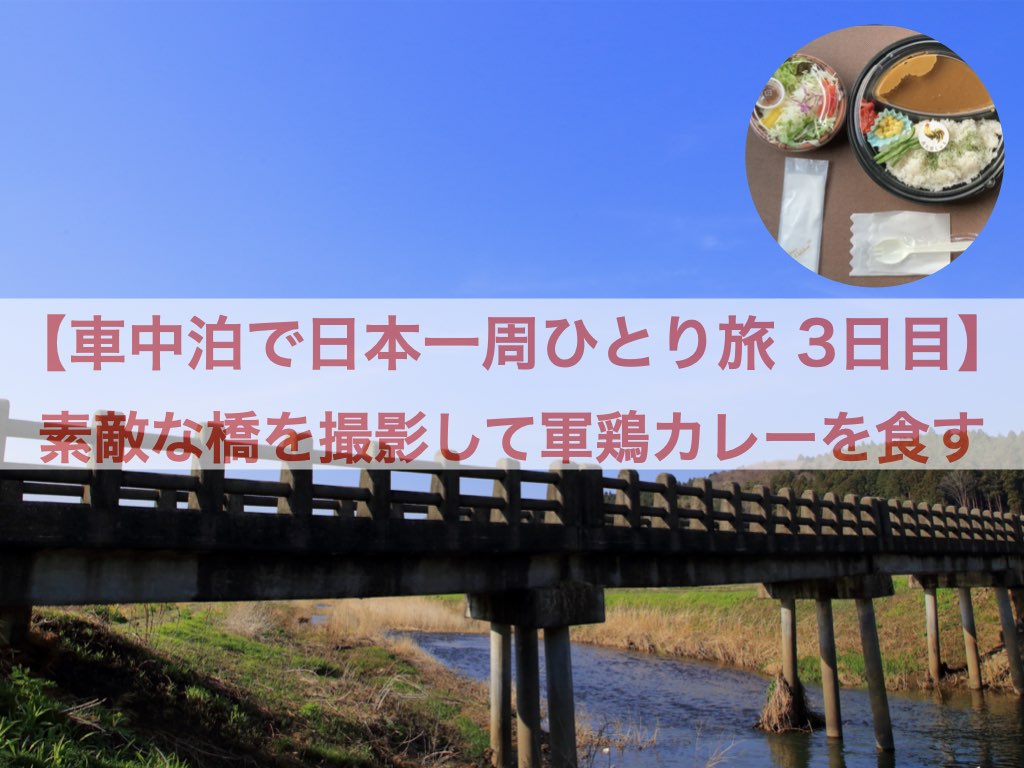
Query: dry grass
x,y
373,619
255,619
786,709
692,634
736,628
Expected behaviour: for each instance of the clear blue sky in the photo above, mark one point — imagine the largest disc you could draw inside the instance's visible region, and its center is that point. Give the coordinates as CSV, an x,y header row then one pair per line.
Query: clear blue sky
x,y
426,149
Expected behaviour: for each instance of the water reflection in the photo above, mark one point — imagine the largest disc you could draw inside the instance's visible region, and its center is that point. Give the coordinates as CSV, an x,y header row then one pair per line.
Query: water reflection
x,y
836,758
789,751
698,710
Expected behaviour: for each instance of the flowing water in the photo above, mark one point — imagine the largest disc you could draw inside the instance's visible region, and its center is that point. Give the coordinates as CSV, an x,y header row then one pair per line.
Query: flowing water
x,y
693,711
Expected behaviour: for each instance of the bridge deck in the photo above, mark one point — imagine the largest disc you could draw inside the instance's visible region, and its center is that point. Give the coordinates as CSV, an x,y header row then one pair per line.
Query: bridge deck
x,y
72,536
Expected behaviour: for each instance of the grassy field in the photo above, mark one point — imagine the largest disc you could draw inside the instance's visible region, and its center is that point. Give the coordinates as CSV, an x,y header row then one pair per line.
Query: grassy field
x,y
733,625
143,686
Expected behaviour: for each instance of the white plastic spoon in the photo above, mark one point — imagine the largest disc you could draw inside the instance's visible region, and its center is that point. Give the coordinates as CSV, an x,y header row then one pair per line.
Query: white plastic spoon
x,y
896,249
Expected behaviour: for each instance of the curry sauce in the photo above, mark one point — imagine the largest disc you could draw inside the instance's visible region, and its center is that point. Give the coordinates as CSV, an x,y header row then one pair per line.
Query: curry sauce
x,y
930,83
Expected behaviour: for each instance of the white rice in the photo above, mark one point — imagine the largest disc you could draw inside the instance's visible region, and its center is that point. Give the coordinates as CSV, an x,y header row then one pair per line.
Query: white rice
x,y
973,144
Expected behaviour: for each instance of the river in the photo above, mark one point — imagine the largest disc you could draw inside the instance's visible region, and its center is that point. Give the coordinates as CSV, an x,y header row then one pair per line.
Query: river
x,y
695,711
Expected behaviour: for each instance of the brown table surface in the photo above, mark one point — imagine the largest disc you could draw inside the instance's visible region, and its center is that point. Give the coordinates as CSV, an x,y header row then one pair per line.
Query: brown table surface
x,y
850,189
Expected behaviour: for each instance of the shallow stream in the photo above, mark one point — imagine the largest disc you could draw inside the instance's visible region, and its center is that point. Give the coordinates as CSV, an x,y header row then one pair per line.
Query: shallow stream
x,y
687,712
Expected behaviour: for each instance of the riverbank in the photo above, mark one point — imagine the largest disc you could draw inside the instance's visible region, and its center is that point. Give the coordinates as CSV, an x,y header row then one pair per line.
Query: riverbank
x,y
734,626
229,685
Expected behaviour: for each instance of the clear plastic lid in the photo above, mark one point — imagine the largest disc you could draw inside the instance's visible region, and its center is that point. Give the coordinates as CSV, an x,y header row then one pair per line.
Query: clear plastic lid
x,y
802,106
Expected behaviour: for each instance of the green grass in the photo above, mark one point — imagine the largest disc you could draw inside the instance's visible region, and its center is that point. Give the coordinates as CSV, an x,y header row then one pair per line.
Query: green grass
x,y
37,729
719,598
187,691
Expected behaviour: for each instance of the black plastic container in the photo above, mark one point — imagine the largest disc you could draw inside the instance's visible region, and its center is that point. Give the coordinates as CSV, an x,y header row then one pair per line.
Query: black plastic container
x,y
866,84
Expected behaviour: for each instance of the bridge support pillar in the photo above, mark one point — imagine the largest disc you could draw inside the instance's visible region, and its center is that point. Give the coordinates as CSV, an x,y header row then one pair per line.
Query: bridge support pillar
x,y
553,609
829,670
875,674
527,697
970,639
501,695
823,592
561,708
931,620
1010,639
789,658
1017,597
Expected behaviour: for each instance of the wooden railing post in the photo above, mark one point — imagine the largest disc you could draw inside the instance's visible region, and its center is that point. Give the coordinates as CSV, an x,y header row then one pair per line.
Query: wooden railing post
x,y
16,619
908,517
977,526
880,511
11,488
739,525
446,484
814,510
104,488
668,501
851,505
766,508
590,498
999,529
925,526
378,483
567,493
209,496
298,476
986,520
5,417
831,515
707,519
509,488
630,498
965,524
791,510
938,523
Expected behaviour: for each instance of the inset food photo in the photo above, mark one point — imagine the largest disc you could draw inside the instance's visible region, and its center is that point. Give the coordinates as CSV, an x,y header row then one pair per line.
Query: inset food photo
x,y
874,155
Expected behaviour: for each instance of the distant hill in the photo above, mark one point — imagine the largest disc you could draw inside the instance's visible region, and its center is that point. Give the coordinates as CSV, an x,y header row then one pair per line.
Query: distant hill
x,y
997,489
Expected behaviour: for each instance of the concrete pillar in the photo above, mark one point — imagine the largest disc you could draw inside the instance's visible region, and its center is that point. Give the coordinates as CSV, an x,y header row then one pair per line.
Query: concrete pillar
x,y
789,663
829,670
14,623
501,695
527,697
931,620
1017,597
1010,639
970,640
875,674
561,709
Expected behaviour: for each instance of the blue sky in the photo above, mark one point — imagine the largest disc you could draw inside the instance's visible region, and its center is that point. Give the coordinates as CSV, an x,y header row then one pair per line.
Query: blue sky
x,y
426,149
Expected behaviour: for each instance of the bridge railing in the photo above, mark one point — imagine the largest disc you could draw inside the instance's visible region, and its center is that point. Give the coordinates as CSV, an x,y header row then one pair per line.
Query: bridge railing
x,y
582,499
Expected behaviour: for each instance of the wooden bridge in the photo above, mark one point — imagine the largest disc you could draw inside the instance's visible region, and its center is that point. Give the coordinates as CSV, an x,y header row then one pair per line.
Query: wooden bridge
x,y
532,550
